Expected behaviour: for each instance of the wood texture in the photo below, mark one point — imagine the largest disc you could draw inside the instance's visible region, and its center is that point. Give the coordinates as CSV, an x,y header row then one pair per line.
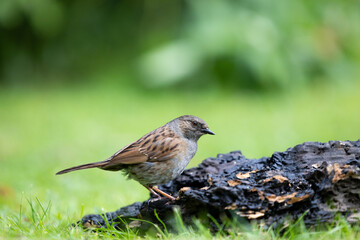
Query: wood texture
x,y
319,180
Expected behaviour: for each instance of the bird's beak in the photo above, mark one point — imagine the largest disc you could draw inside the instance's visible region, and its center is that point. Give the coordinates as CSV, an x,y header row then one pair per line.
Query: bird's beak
x,y
208,131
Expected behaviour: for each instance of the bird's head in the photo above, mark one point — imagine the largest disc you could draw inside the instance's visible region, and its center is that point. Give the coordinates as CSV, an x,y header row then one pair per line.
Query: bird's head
x,y
193,127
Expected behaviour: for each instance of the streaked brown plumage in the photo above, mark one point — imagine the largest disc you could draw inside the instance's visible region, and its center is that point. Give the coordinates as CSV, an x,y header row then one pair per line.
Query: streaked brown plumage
x,y
159,156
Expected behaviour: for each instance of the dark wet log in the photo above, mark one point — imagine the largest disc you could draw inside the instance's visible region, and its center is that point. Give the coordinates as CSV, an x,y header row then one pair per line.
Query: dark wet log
x,y
321,179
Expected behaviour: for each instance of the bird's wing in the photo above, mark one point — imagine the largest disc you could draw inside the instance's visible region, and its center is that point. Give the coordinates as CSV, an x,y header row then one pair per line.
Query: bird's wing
x,y
153,147
164,149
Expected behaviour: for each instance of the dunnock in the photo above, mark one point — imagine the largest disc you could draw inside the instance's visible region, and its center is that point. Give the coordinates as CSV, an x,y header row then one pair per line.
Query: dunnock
x,y
159,156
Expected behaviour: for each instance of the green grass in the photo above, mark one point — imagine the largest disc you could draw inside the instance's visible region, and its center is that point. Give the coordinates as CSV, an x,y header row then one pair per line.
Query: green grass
x,y
43,131
39,222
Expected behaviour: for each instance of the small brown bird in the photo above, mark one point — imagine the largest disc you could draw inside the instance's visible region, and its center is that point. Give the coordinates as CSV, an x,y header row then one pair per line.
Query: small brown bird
x,y
159,156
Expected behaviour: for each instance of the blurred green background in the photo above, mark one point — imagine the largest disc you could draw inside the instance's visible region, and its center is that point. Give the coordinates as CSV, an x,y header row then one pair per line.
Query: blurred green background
x,y
81,79
242,44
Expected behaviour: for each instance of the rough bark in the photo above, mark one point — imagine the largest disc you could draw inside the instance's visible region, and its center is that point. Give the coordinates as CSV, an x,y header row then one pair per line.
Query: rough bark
x,y
318,179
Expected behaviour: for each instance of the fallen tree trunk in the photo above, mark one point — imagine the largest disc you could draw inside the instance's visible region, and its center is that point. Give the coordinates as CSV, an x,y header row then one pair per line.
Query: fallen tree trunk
x,y
319,179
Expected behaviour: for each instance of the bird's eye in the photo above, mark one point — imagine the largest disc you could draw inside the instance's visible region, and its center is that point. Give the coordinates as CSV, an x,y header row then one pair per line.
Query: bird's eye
x,y
194,123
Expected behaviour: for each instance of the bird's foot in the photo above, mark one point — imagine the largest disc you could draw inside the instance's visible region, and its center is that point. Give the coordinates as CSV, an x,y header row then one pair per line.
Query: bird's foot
x,y
154,190
155,199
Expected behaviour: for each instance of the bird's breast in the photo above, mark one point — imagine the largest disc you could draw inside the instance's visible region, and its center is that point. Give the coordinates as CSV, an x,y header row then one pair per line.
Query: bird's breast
x,y
179,164
190,149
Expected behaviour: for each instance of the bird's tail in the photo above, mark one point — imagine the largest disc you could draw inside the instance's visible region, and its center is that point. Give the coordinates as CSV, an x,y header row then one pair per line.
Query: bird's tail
x,y
84,166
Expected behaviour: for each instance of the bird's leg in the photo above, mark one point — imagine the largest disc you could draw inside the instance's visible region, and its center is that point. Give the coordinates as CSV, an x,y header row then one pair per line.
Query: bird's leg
x,y
154,188
152,191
